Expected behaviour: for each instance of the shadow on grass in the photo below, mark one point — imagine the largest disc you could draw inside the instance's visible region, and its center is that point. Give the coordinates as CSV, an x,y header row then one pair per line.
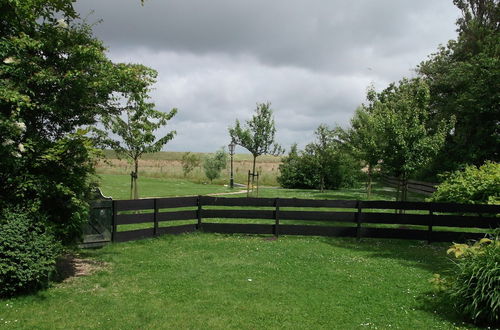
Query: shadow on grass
x,y
439,304
431,257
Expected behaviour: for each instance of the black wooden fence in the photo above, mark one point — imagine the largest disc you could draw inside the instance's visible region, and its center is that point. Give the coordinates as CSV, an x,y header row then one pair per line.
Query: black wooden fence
x,y
421,187
346,218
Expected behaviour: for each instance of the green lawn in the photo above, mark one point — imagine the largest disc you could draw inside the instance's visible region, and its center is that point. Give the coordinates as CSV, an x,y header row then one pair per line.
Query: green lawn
x,y
118,187
212,281
209,281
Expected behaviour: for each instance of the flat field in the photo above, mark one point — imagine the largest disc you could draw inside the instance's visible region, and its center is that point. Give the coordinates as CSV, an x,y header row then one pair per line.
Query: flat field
x,y
209,281
118,187
169,165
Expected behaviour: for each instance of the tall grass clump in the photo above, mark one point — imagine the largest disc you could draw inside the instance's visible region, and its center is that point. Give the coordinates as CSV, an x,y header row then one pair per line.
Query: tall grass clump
x,y
473,286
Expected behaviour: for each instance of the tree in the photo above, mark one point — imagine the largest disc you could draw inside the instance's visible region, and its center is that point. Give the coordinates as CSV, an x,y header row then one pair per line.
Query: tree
x,y
293,173
189,162
136,131
363,141
322,152
323,164
213,165
401,115
54,80
258,134
464,79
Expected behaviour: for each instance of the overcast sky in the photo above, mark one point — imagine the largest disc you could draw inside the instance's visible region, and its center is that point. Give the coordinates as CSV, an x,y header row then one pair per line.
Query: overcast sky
x,y
312,59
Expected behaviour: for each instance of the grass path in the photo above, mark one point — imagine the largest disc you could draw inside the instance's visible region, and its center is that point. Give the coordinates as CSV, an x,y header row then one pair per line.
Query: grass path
x,y
209,281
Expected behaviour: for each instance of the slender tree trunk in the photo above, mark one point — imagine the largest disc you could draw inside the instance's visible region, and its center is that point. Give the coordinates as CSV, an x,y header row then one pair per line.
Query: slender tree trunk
x,y
136,175
398,189
404,192
321,183
253,171
369,187
405,188
132,185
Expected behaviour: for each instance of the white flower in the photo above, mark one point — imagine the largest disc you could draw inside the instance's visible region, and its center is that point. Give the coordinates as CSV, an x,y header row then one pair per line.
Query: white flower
x,y
62,23
20,146
16,154
7,142
21,126
9,60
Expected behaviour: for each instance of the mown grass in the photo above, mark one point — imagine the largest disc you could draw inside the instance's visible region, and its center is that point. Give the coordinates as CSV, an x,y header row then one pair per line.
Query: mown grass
x,y
118,187
209,281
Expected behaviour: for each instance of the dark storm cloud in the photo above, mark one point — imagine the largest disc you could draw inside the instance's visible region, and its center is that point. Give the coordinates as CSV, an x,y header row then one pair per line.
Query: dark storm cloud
x,y
312,59
338,35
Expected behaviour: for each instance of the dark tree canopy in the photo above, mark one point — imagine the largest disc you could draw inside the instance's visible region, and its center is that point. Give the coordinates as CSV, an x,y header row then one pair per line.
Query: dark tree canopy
x,y
464,80
55,79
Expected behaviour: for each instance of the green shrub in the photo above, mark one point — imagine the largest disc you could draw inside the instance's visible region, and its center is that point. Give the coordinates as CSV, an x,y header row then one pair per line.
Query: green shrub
x,y
471,185
473,287
300,169
27,252
214,164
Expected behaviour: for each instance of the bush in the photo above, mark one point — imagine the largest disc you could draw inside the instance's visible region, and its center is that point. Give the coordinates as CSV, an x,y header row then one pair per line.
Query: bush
x,y
214,164
190,162
301,170
471,185
27,252
473,285
296,171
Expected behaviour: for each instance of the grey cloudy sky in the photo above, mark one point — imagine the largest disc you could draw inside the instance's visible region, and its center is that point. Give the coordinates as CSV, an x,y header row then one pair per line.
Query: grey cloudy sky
x,y
313,60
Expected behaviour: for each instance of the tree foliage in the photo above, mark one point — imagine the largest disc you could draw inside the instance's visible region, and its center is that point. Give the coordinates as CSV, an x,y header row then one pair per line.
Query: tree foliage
x,y
363,140
54,79
323,154
472,185
189,162
464,80
213,165
138,122
257,136
27,251
407,140
323,164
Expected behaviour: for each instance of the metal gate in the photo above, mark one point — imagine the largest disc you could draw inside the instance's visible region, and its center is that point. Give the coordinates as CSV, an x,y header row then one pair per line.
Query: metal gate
x,y
97,231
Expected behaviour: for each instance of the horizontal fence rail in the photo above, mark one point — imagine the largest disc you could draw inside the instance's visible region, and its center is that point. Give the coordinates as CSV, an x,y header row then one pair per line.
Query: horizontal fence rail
x,y
291,216
424,188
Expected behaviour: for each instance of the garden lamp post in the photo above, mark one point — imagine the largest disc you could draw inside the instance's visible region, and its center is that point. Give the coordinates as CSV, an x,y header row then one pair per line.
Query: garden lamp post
x,y
231,146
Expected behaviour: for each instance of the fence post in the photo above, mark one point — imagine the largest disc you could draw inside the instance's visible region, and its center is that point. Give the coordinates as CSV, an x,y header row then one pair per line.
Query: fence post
x,y
113,226
198,213
276,217
429,231
155,218
257,189
358,221
248,184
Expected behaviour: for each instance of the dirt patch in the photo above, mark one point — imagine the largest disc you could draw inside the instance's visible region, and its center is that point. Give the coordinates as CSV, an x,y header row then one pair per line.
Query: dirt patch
x,y
70,266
